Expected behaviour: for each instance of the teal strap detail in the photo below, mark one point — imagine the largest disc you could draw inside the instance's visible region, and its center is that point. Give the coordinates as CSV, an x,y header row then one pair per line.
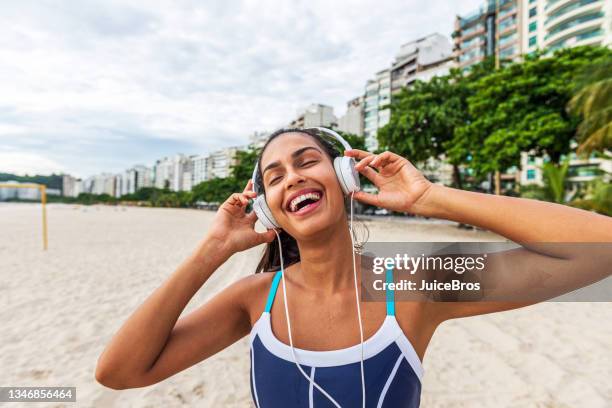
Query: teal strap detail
x,y
273,288
390,295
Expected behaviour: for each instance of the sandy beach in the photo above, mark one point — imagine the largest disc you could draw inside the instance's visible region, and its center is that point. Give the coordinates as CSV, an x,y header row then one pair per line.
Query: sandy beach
x,y
59,309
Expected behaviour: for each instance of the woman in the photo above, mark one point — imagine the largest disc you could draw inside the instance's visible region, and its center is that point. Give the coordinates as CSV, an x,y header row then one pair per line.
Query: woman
x,y
152,345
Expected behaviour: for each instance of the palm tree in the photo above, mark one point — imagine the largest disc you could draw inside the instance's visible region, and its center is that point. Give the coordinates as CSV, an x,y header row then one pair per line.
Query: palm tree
x,y
598,197
555,184
555,180
593,101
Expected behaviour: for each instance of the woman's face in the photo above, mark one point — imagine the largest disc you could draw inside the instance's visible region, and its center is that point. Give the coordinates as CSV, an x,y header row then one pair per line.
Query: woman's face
x,y
300,184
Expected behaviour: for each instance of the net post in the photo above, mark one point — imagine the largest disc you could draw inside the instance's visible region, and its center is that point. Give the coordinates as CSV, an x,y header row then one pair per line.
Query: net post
x,y
43,200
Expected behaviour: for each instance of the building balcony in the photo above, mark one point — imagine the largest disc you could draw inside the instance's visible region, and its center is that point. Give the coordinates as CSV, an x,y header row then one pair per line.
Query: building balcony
x,y
506,13
471,61
507,29
507,44
472,32
575,10
573,28
554,5
469,46
593,36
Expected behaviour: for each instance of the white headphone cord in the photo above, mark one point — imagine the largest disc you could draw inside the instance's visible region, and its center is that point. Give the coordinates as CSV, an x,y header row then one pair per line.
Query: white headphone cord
x,y
289,328
363,393
358,313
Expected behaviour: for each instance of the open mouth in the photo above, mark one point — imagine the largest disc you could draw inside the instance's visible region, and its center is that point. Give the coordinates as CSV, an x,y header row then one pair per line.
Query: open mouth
x,y
305,202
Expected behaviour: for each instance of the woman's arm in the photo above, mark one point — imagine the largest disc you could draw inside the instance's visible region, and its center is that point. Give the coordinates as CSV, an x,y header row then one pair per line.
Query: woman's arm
x,y
530,223
519,219
151,345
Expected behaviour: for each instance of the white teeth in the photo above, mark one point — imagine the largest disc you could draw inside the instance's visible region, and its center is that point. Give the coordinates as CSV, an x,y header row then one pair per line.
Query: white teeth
x,y
300,198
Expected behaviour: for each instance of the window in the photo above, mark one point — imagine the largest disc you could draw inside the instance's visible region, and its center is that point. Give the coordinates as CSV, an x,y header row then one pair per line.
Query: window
x,y
532,1
532,12
533,41
507,39
533,26
530,174
507,23
531,159
507,52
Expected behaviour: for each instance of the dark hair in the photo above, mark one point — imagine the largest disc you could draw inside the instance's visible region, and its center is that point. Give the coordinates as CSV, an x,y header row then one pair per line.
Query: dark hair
x,y
270,261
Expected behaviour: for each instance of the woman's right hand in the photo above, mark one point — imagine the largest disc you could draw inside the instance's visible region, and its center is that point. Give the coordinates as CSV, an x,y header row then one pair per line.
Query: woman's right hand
x,y
233,228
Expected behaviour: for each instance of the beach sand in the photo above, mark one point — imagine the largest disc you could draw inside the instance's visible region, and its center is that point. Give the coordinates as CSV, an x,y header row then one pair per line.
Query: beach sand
x,y
59,309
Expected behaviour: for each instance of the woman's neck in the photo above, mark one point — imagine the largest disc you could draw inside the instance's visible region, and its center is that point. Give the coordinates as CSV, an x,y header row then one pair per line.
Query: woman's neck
x,y
326,265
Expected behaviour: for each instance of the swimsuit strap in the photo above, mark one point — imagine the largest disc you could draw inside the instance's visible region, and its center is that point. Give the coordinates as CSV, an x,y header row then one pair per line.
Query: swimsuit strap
x,y
389,299
390,295
277,277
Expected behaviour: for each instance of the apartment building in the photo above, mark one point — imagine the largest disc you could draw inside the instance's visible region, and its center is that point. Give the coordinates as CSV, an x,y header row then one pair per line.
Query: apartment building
x,y
222,161
352,120
495,23
421,59
315,115
555,24
376,115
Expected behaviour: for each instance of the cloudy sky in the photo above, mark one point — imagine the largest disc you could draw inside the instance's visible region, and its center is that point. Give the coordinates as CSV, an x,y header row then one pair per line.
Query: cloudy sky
x,y
93,86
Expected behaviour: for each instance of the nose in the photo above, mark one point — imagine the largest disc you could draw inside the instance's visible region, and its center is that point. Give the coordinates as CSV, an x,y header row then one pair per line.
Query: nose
x,y
294,178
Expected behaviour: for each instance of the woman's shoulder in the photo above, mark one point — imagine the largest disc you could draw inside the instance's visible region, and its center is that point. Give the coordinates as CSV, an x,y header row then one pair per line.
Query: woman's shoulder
x,y
254,291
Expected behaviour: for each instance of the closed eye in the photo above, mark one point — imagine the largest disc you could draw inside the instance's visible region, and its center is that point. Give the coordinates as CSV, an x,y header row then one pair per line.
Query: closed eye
x,y
305,164
308,163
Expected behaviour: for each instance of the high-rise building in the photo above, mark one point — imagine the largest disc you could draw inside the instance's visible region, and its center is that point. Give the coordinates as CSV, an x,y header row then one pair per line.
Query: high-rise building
x,y
377,96
118,185
421,60
183,173
201,171
169,172
144,176
221,162
352,120
496,23
554,24
164,173
258,139
315,115
128,182
70,186
103,183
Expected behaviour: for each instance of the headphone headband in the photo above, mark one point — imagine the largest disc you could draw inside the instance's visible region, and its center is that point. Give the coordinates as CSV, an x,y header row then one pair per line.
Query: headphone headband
x,y
329,132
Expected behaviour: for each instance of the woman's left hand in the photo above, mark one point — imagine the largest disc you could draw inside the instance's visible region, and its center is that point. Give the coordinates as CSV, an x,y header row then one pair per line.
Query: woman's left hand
x,y
400,185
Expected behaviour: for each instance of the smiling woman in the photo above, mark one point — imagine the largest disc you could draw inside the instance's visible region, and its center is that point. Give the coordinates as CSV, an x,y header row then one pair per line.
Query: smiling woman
x,y
320,353
318,151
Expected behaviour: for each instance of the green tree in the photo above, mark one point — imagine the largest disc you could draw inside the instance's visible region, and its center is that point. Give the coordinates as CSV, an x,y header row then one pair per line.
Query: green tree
x,y
242,171
593,100
522,107
356,141
598,197
554,177
425,118
555,181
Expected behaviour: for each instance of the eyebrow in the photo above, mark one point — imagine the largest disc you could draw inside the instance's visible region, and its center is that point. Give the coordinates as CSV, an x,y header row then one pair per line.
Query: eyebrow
x,y
293,156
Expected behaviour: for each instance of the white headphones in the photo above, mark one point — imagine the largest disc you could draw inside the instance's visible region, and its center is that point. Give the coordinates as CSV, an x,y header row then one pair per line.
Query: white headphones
x,y
345,171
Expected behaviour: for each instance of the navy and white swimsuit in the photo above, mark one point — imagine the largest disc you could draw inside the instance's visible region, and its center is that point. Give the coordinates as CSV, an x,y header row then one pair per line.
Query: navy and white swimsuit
x,y
392,369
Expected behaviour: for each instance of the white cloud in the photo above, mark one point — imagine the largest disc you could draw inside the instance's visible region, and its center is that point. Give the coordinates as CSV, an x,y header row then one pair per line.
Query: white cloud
x,y
79,75
28,163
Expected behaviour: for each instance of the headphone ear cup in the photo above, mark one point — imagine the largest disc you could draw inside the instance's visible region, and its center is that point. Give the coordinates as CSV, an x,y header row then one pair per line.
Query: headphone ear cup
x,y
264,215
347,175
